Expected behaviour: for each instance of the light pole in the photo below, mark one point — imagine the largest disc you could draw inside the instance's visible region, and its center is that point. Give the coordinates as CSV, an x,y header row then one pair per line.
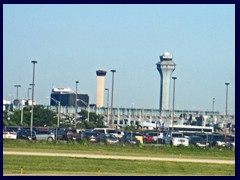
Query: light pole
x,y
28,92
75,124
86,104
226,104
58,103
107,105
113,71
22,107
17,86
31,125
213,105
174,78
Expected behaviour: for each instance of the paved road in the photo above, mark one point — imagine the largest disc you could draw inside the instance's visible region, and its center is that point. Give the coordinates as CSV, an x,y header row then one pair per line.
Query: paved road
x,y
96,156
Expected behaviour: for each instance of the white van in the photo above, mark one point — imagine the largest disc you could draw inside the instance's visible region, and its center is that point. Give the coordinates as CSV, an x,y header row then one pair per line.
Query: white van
x,y
107,131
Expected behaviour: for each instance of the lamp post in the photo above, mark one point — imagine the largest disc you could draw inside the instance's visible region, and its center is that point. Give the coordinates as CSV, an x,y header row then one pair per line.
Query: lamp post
x,y
107,105
226,104
22,107
31,124
58,103
28,92
174,78
113,71
86,104
75,124
17,86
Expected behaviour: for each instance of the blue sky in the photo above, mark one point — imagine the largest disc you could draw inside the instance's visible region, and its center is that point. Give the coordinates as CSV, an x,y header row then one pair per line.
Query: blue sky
x,y
71,42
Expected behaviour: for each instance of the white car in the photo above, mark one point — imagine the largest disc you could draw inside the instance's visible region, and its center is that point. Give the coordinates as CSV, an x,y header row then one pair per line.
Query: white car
x,y
9,135
176,139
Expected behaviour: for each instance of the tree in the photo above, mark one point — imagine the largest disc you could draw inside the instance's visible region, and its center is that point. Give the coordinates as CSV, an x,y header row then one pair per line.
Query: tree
x,y
41,117
95,120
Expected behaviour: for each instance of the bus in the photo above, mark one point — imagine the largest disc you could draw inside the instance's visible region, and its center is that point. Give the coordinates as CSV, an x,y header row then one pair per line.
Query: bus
x,y
191,129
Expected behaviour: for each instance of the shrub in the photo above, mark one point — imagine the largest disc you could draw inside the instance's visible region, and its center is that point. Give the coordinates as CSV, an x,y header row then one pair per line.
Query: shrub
x,y
84,142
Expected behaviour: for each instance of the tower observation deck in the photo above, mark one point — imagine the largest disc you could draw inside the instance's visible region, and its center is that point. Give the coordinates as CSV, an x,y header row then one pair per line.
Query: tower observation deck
x,y
165,67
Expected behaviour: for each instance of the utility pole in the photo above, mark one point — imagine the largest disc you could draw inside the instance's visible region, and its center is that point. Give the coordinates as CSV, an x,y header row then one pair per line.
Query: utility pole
x,y
31,124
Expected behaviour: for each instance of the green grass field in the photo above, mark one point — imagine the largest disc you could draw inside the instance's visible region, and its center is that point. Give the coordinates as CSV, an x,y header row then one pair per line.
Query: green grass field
x,y
83,166
86,166
147,151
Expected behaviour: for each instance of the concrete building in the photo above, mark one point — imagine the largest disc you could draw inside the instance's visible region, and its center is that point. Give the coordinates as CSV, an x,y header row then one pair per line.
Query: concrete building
x,y
68,98
100,87
165,67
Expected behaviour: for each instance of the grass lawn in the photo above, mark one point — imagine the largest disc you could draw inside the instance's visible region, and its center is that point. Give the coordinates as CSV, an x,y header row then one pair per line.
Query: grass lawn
x,y
37,165
42,165
128,150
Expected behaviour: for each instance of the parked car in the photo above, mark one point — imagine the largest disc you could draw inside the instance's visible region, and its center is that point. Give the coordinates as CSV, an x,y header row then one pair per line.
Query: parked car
x,y
147,138
12,128
90,136
106,131
129,138
231,145
45,135
108,138
119,134
176,139
197,141
72,134
67,134
26,134
230,141
217,140
11,134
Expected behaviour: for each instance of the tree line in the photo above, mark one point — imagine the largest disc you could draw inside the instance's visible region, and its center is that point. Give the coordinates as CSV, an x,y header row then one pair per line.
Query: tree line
x,y
49,118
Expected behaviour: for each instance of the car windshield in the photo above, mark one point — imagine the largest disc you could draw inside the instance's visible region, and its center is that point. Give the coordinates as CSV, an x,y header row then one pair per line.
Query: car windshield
x,y
90,133
111,131
177,135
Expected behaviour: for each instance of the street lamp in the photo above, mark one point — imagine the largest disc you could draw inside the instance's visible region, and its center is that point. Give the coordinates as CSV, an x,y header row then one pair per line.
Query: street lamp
x,y
75,124
226,104
31,125
174,78
28,92
107,105
113,71
17,86
86,104
58,103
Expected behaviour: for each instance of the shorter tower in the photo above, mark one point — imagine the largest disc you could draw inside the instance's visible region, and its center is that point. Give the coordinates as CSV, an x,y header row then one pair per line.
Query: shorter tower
x,y
100,87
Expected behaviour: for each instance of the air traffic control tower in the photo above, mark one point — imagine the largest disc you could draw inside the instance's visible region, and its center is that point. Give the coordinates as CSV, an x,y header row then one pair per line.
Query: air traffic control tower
x,y
165,67
100,87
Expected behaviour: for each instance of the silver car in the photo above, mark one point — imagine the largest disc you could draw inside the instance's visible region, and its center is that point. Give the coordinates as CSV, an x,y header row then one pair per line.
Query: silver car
x,y
45,135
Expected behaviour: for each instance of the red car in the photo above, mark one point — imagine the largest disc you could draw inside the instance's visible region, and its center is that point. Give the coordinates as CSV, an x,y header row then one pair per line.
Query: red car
x,y
147,138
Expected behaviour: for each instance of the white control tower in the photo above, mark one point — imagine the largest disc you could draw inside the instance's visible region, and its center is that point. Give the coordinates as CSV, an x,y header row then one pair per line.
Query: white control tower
x,y
100,87
165,67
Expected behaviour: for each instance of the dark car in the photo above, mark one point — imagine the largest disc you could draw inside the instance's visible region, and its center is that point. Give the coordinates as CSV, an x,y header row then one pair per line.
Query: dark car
x,y
67,134
12,128
90,136
108,138
216,140
129,138
26,134
197,141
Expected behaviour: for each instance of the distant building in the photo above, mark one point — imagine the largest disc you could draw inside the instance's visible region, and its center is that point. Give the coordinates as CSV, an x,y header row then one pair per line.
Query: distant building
x,y
66,97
